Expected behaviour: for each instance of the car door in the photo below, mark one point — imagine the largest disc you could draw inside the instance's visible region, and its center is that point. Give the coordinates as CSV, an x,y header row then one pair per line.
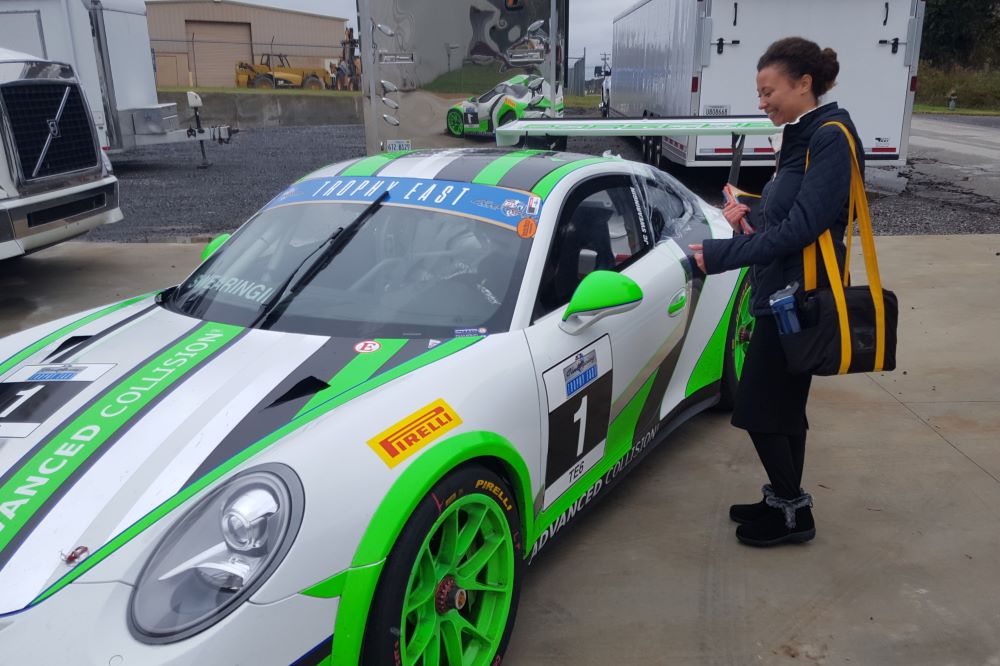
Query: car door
x,y
587,379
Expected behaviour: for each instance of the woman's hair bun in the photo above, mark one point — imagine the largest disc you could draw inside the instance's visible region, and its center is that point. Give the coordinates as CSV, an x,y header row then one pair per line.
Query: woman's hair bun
x,y
798,57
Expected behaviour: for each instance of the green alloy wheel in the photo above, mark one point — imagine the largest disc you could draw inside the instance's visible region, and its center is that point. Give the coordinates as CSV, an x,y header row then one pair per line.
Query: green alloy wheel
x,y
741,326
455,125
449,592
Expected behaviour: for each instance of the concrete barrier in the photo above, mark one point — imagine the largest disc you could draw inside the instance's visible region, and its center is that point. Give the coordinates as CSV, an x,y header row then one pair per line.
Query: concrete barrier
x,y
246,110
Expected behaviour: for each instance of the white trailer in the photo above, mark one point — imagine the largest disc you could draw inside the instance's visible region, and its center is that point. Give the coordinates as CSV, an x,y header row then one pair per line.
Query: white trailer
x,y
677,58
55,182
107,44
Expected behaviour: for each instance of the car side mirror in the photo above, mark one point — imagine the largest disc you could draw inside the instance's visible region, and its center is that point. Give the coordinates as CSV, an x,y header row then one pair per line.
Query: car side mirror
x,y
536,99
214,245
602,293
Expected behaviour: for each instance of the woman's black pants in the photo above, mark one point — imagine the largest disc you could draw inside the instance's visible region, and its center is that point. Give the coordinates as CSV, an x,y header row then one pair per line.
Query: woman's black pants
x,y
782,457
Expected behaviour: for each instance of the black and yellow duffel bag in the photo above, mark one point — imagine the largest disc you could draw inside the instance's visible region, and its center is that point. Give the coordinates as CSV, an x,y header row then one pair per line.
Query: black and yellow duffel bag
x,y
844,329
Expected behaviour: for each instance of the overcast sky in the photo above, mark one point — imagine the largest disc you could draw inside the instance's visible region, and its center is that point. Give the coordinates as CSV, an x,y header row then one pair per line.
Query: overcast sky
x,y
590,26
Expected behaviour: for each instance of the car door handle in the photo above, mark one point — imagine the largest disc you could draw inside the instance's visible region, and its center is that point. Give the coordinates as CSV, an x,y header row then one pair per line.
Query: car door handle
x,y
677,303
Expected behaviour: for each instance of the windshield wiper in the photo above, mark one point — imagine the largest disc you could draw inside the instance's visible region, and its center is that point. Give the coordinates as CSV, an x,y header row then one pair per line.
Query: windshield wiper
x,y
276,305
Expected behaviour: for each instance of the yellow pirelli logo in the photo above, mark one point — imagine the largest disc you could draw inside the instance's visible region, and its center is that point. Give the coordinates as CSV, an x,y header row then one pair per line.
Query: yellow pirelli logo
x,y
417,430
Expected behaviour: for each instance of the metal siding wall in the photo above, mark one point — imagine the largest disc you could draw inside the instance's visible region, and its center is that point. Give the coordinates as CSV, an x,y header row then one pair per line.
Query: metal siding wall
x,y
307,40
217,47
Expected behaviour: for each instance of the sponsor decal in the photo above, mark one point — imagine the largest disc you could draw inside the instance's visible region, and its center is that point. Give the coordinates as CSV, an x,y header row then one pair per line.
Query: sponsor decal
x,y
581,372
55,374
527,227
53,464
640,212
469,332
485,202
513,208
252,291
367,347
432,343
496,491
603,482
403,439
534,205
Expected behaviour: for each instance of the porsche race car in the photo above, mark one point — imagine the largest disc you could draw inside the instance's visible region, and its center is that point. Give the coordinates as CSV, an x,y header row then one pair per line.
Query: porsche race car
x,y
343,437
521,97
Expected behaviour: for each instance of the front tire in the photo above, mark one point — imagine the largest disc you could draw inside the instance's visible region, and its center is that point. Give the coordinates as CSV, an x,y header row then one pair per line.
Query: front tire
x,y
449,591
455,125
741,325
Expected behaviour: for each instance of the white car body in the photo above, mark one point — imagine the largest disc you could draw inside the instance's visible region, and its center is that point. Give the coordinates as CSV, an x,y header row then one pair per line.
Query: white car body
x,y
200,423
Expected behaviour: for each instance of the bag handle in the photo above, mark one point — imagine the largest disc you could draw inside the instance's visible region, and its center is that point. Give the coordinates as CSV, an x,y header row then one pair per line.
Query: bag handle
x,y
857,207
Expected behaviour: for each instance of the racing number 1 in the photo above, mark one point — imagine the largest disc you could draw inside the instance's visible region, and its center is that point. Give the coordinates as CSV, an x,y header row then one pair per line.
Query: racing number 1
x,y
22,397
581,418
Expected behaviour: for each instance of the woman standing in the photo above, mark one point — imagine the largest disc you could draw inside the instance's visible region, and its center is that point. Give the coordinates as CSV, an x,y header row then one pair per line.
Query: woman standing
x,y
796,206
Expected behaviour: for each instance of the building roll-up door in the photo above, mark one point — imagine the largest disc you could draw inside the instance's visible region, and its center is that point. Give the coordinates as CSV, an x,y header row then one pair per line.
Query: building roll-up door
x,y
214,48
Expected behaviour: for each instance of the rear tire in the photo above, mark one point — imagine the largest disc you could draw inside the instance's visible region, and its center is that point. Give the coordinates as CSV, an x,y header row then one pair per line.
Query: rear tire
x,y
450,587
313,83
741,325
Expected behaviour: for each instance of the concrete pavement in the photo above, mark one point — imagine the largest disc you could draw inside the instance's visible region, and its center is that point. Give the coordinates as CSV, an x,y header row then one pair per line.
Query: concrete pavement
x,y
904,467
961,154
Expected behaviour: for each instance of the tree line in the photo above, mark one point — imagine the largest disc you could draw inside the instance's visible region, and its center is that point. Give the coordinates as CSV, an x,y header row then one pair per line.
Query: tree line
x,y
965,33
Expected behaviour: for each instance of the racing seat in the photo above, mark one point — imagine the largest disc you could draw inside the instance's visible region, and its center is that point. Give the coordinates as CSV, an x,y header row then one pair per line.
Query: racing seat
x,y
587,230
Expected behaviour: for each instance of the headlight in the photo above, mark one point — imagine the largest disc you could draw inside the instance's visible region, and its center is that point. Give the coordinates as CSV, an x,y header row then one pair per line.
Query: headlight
x,y
217,555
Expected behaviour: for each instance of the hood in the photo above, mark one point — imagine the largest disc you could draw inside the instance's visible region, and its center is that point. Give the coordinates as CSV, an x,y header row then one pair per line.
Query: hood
x,y
102,425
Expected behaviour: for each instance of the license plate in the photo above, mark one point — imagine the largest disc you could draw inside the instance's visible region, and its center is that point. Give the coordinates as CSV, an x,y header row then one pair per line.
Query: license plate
x,y
396,145
716,110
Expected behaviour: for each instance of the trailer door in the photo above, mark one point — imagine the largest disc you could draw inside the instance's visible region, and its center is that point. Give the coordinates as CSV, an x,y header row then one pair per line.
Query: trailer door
x,y
870,39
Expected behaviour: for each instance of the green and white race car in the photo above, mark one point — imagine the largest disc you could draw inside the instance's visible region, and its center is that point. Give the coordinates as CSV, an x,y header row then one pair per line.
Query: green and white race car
x,y
522,97
345,435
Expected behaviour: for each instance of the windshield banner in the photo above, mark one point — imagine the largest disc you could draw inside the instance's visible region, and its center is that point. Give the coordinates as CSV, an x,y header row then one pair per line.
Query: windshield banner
x,y
484,202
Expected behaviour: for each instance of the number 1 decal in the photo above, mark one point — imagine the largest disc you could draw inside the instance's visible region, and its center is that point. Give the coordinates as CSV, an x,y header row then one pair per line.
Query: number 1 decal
x,y
578,390
22,397
581,418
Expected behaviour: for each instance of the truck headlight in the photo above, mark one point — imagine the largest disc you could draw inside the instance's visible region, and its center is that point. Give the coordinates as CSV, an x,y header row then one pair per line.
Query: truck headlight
x,y
217,555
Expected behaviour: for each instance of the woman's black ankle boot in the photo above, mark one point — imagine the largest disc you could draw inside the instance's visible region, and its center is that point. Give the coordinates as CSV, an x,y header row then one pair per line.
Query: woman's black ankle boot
x,y
747,513
783,521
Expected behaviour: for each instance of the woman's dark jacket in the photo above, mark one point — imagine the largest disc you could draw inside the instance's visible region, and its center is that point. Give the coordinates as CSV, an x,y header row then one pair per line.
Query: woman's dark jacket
x,y
795,208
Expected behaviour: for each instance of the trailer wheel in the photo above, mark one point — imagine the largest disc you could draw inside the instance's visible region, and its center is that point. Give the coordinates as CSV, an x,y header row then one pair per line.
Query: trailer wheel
x,y
263,81
313,83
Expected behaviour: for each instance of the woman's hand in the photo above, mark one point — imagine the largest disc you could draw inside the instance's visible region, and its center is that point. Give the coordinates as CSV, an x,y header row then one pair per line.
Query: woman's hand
x,y
699,256
734,212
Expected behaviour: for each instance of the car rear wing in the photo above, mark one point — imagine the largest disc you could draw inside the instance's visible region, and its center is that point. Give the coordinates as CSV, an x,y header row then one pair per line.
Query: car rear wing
x,y
738,127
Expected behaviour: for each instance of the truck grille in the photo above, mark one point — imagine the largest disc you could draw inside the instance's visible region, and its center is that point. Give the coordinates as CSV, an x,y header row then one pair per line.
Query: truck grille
x,y
33,113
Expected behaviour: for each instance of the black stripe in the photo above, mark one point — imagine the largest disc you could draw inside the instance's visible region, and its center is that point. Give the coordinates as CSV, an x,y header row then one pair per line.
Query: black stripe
x,y
274,410
316,655
96,455
62,352
529,171
649,415
469,164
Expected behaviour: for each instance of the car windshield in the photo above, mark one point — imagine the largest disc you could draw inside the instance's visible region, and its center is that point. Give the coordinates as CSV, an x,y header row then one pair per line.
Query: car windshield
x,y
410,270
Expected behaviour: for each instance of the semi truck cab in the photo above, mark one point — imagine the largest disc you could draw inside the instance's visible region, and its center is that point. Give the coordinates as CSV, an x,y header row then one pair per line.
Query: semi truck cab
x,y
55,181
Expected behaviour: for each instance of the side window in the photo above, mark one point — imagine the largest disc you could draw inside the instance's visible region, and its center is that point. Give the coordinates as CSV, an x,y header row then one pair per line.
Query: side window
x,y
603,217
672,214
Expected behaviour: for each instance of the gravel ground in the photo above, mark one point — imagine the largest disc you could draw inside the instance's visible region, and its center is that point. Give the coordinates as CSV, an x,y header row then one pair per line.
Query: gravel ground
x,y
166,198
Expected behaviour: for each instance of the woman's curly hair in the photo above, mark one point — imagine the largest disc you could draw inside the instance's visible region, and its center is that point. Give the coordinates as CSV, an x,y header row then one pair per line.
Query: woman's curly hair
x,y
798,57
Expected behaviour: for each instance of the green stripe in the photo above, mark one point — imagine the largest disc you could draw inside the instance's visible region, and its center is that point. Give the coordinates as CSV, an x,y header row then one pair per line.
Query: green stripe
x,y
40,477
445,349
69,328
545,185
496,170
708,369
360,369
370,165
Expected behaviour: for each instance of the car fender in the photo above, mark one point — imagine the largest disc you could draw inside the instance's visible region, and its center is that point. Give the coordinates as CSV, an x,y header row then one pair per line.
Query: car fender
x,y
357,585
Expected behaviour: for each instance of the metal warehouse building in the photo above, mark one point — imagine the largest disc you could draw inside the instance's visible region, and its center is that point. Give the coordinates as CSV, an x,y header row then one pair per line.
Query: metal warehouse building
x,y
199,42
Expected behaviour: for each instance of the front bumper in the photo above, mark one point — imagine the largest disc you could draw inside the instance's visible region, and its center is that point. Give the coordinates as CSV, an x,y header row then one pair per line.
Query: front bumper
x,y
85,624
31,223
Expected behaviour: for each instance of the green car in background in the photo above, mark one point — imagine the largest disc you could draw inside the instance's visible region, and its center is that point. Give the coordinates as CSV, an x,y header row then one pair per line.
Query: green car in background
x,y
524,96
